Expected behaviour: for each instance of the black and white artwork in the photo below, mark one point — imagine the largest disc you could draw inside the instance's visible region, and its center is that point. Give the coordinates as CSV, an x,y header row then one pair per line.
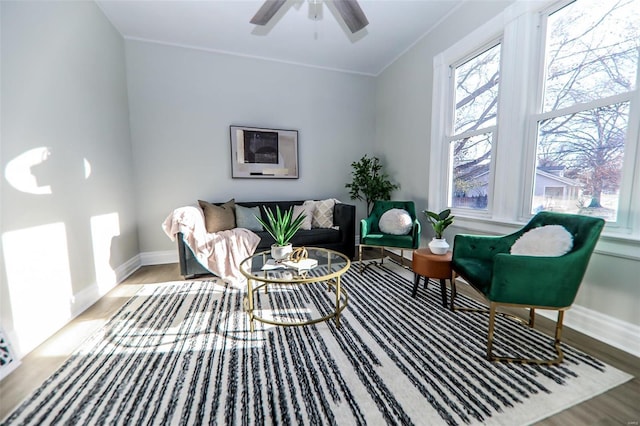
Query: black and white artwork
x,y
264,153
260,147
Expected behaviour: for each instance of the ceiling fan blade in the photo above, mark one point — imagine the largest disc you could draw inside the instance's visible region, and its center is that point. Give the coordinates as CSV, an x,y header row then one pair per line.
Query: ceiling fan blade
x,y
352,14
266,11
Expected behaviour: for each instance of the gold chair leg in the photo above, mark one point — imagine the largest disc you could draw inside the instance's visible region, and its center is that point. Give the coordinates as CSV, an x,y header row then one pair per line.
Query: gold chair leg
x,y
532,317
362,267
493,311
556,343
453,289
492,321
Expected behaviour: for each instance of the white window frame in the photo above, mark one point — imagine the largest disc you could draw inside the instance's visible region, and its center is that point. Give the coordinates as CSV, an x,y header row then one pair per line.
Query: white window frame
x,y
624,222
452,137
520,27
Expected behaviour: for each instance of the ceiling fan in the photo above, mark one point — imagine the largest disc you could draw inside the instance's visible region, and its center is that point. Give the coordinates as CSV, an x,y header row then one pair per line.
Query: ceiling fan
x,y
349,10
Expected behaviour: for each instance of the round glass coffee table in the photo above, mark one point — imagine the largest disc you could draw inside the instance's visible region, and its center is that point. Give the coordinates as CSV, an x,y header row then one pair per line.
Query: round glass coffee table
x,y
261,271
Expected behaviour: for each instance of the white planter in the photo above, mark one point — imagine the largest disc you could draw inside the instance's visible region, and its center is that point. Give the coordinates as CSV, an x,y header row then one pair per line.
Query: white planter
x,y
281,252
439,246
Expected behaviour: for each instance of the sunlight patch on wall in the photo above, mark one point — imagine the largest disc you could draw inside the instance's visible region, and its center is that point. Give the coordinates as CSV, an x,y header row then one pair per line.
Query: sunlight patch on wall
x,y
19,171
22,172
104,229
39,282
87,168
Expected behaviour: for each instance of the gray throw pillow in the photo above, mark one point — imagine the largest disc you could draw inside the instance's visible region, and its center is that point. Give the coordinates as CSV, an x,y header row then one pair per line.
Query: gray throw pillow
x,y
246,218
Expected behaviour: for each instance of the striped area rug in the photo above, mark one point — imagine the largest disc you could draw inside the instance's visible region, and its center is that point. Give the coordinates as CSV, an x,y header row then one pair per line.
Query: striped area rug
x,y
181,353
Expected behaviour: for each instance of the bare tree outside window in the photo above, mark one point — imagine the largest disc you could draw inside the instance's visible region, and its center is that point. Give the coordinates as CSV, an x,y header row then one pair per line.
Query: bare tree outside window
x,y
476,107
471,161
591,61
477,91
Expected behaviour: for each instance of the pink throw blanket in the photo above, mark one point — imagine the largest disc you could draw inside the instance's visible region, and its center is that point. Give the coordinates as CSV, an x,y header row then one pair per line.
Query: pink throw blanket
x,y
219,252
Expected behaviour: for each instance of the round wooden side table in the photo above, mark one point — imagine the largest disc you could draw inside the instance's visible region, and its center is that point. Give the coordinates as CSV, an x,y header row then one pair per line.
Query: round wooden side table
x,y
436,266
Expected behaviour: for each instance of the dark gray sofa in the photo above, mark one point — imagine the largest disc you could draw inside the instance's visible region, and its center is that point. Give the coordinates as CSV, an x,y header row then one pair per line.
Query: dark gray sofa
x,y
342,239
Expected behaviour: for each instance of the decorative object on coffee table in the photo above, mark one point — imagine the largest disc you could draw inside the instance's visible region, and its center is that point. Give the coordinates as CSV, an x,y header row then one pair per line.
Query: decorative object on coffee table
x,y
369,182
299,254
439,222
282,227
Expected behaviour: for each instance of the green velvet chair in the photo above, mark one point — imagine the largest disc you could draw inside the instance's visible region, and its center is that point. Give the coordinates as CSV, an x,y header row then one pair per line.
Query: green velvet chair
x,y
526,281
371,236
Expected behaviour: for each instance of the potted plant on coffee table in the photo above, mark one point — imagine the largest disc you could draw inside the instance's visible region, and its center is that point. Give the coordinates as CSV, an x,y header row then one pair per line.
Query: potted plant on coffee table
x,y
282,227
439,222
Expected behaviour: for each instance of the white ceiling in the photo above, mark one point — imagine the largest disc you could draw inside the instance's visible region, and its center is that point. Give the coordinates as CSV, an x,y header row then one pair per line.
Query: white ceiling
x,y
291,36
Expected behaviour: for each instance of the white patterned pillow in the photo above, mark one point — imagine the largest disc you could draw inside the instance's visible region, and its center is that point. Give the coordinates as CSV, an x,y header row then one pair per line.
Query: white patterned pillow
x,y
547,241
395,222
307,210
322,212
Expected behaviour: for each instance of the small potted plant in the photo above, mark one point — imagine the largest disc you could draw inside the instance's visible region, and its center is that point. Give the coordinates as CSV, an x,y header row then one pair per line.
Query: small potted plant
x,y
282,227
439,222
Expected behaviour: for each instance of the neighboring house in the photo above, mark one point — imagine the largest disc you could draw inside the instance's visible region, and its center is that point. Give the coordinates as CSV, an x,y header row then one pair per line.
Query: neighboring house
x,y
553,187
470,187
552,190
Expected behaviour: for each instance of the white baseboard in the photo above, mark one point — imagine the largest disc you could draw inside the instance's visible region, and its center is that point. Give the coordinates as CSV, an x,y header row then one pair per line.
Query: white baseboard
x,y
612,331
90,295
127,268
158,257
81,301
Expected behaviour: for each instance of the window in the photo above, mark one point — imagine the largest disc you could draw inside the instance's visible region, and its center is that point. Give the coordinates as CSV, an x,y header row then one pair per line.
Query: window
x,y
590,62
548,118
475,93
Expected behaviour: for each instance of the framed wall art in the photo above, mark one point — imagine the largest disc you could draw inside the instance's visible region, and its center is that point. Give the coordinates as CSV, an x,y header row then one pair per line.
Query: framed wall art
x,y
264,153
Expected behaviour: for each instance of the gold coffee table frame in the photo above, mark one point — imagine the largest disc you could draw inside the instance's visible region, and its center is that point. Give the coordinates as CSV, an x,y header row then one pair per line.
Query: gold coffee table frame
x,y
259,279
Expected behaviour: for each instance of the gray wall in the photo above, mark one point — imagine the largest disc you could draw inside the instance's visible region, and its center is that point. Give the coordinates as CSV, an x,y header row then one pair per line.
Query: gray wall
x,y
403,116
63,90
404,95
182,102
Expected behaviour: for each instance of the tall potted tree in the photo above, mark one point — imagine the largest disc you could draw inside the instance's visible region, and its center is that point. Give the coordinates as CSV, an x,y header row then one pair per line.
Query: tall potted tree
x,y
282,227
369,182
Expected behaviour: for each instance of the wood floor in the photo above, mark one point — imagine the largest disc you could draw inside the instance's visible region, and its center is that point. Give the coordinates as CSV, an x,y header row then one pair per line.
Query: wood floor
x,y
619,406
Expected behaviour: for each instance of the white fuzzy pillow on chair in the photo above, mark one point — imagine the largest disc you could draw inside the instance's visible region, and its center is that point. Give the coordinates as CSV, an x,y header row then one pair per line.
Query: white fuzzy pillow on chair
x,y
395,222
549,240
